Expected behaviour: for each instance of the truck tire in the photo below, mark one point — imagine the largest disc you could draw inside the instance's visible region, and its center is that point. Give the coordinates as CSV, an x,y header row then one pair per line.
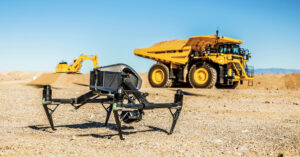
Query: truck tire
x,y
202,76
159,76
233,86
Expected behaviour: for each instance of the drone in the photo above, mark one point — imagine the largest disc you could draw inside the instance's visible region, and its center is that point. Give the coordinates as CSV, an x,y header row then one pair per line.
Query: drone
x,y
117,86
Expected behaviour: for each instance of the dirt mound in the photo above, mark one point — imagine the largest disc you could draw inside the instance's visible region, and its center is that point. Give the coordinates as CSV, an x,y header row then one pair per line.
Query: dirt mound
x,y
266,81
18,75
274,81
61,79
292,81
145,81
45,79
177,42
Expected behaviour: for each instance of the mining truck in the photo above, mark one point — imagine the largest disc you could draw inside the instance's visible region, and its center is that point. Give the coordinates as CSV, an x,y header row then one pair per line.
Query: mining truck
x,y
202,61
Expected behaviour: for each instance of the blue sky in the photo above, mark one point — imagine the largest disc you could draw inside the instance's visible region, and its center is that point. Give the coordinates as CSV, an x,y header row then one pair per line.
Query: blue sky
x,y
35,35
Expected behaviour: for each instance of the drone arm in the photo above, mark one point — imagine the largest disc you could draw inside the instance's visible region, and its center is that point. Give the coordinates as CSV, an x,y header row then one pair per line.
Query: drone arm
x,y
136,92
83,99
147,105
150,106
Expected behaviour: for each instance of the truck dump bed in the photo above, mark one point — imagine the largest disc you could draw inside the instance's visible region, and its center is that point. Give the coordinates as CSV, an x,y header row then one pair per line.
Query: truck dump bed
x,y
177,51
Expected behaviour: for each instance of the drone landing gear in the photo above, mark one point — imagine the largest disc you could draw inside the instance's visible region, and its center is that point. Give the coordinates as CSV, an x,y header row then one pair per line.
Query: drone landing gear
x,y
108,113
175,116
49,113
118,124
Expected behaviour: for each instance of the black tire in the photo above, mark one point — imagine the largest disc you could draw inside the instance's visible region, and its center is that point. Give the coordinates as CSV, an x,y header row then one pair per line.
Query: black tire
x,y
233,86
166,81
211,76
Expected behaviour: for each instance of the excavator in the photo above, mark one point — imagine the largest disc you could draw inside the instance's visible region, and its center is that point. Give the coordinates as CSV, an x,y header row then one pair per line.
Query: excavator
x,y
64,67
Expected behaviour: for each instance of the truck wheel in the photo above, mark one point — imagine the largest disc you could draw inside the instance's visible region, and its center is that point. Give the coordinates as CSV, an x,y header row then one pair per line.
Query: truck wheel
x,y
233,86
202,76
159,76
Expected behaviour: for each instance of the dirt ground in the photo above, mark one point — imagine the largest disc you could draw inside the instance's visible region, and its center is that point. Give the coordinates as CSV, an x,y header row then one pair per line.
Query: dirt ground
x,y
261,121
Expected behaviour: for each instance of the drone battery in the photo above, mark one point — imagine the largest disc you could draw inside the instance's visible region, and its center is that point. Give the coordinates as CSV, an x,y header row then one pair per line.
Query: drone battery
x,y
106,81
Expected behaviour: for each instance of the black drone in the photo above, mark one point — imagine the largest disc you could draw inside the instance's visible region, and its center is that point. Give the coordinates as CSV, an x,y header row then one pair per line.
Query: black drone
x,y
118,86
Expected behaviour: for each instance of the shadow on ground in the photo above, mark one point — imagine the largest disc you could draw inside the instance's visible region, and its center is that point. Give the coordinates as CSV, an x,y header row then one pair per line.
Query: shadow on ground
x,y
92,124
151,129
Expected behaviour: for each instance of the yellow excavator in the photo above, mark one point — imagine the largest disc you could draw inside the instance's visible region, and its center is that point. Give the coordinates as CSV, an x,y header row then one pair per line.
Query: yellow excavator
x,y
64,67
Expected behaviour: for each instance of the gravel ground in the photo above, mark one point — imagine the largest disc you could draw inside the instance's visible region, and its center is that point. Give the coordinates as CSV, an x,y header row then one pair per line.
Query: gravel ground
x,y
215,123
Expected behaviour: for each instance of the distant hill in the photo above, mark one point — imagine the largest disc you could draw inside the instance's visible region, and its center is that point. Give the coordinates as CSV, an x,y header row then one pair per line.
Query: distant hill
x,y
275,71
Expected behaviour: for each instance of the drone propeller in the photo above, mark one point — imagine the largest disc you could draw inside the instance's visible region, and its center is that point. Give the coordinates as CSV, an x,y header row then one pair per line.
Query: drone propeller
x,y
42,86
81,84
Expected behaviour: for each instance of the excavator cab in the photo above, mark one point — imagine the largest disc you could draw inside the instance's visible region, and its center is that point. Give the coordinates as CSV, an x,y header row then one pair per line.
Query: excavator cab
x,y
62,67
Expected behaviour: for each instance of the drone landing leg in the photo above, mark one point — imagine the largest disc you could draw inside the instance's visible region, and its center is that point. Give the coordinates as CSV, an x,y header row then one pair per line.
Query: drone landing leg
x,y
49,113
118,123
175,116
108,110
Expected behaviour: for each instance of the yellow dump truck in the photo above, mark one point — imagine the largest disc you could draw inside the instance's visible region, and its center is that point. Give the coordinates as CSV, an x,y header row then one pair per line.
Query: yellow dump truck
x,y
64,67
202,61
